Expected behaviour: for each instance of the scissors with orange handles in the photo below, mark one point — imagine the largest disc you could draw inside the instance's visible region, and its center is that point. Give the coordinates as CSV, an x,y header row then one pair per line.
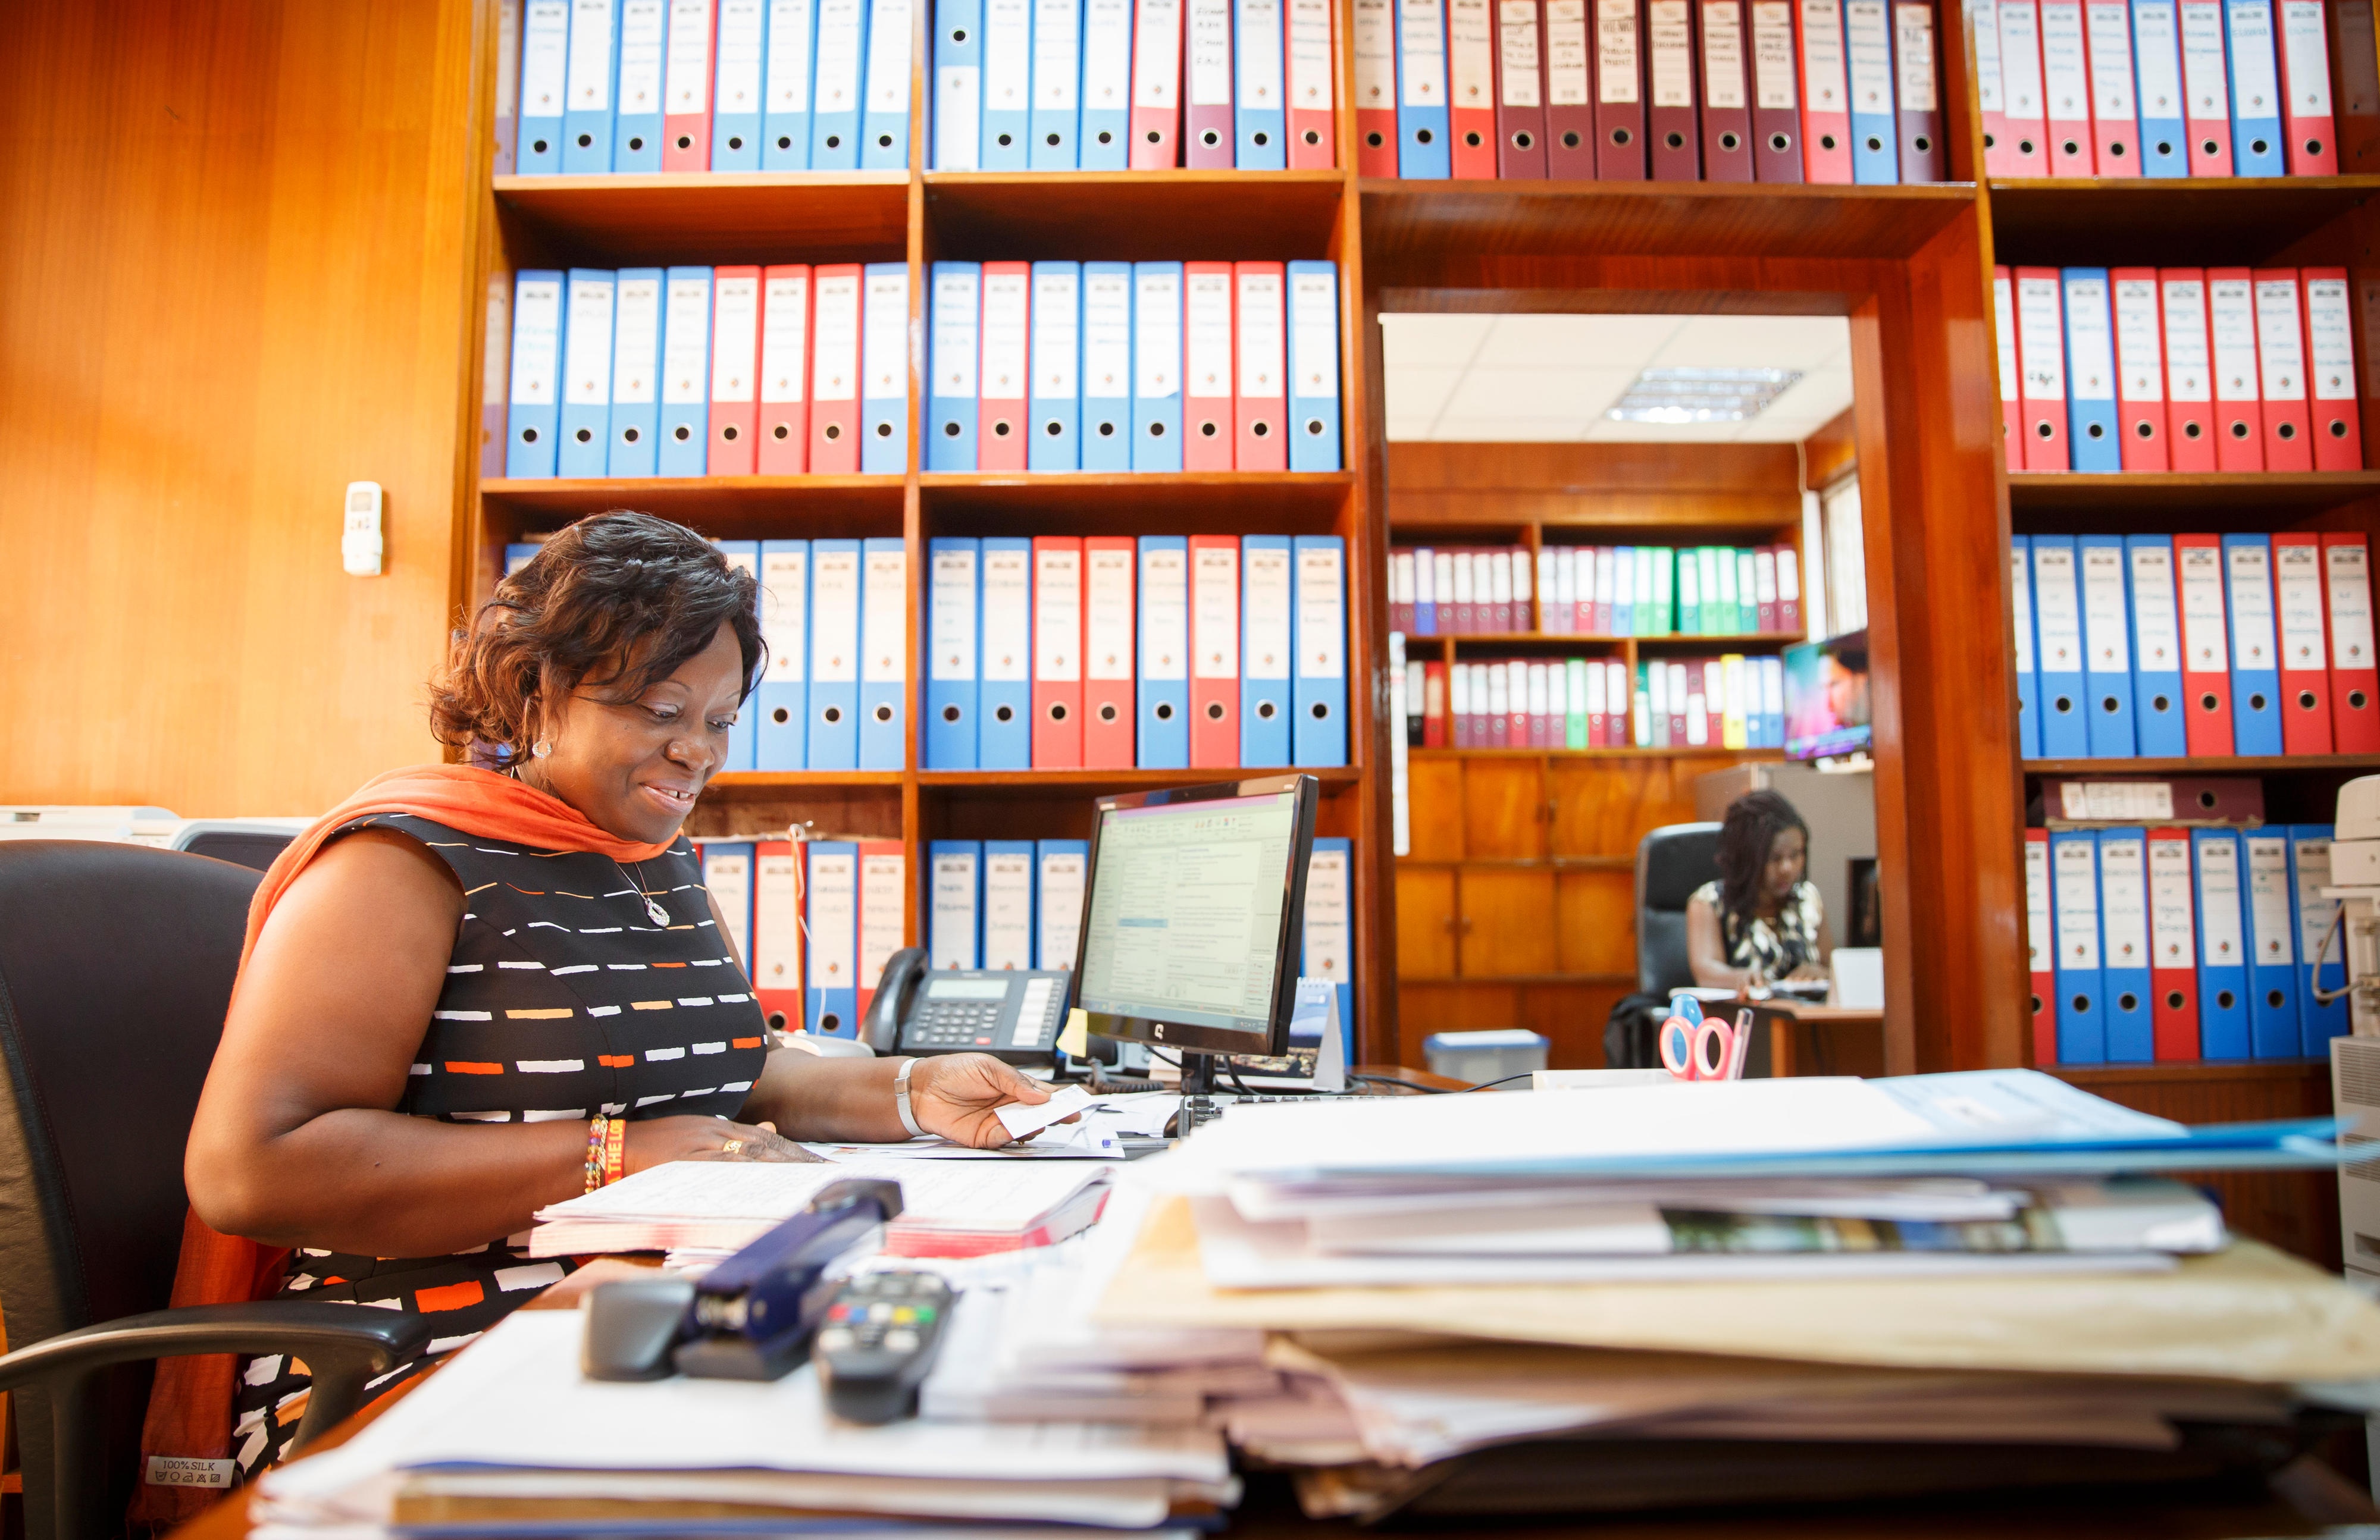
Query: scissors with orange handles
x,y
1697,1048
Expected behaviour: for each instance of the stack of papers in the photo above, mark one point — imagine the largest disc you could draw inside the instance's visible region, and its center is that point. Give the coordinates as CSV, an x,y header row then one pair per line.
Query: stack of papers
x,y
707,1209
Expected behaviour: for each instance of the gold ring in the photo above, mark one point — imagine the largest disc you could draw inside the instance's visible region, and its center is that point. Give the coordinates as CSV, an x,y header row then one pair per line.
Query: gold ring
x,y
730,1146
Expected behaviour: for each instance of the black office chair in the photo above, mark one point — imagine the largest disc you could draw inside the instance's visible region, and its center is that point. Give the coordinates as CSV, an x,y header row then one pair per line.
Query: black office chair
x,y
116,970
243,844
1671,862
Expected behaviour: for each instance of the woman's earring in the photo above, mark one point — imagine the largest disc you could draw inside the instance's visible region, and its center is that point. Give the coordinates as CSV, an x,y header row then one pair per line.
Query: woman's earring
x,y
543,747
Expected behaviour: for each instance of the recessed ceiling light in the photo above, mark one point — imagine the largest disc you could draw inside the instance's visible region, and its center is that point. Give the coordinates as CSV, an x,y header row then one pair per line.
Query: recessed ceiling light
x,y
1701,394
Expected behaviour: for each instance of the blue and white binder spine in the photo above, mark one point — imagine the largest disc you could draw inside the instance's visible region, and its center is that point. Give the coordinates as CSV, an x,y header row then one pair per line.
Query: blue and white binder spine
x,y
954,638
2322,952
2106,645
1007,84
2159,727
635,374
686,373
2274,1031
782,705
1314,366
1106,134
1260,86
1060,881
1326,948
884,368
1868,69
637,126
2058,649
1055,411
586,422
837,78
830,899
2249,38
2091,371
1057,75
2082,984
742,739
883,653
884,116
1162,737
835,586
785,86
2028,679
1157,366
2222,944
739,72
1425,151
2125,955
958,86
955,894
1318,709
1004,721
587,113
2156,59
544,87
1008,916
1106,366
533,410
2256,645
950,404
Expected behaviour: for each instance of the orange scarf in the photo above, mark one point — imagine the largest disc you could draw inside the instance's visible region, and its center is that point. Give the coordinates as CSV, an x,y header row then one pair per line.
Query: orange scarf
x,y
191,1403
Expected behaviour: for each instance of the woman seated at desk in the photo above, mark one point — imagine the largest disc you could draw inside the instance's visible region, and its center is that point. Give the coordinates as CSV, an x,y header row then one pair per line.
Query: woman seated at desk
x,y
474,990
1761,921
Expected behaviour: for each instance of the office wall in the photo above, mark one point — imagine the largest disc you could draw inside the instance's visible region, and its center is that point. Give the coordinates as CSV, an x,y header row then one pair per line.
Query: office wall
x,y
232,280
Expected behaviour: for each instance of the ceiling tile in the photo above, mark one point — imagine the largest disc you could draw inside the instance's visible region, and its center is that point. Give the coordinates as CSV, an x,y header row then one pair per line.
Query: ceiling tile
x,y
1420,392
1505,429
1577,394
1432,341
1806,342
1575,342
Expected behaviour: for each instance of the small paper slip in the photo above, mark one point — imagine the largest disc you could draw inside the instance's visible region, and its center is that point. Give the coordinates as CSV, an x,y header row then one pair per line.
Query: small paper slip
x,y
1020,1119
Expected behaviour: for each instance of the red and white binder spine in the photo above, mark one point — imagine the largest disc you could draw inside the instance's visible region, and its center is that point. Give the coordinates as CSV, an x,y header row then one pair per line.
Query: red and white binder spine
x,y
2307,123
2330,369
2189,369
2140,369
1261,399
1157,86
2206,645
2041,360
2347,616
2297,585
2281,366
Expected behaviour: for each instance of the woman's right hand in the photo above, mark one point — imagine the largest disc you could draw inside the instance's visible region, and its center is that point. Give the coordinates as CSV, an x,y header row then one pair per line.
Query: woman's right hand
x,y
658,1141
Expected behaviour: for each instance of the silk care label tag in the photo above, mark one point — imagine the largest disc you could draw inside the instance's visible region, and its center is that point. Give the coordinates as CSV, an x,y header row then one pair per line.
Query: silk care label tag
x,y
1020,1119
176,1470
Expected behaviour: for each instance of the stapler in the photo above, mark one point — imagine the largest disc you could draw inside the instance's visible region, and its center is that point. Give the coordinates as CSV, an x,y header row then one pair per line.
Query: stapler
x,y
752,1317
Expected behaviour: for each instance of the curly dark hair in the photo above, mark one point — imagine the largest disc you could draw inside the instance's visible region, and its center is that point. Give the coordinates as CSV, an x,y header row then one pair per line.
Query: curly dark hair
x,y
1744,840
617,601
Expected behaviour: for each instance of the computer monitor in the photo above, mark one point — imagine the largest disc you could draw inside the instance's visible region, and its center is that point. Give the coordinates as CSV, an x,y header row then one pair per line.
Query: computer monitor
x,y
1190,923
1826,710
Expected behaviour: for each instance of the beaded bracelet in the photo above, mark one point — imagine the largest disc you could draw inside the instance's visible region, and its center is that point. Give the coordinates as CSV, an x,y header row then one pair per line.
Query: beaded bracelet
x,y
598,1130
615,1150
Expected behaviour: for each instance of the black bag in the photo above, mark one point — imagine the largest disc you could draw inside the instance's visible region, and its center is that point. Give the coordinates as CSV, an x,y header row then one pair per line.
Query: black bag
x,y
1630,1035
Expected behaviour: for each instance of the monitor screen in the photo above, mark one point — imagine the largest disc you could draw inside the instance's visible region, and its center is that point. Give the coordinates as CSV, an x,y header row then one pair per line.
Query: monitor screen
x,y
1188,927
1826,697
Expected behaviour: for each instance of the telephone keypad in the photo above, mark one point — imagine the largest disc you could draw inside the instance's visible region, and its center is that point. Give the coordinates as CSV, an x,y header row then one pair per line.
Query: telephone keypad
x,y
954,1023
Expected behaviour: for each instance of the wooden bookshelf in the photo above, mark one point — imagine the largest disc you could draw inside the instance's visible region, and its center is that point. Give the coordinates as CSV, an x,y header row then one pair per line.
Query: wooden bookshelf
x,y
2165,221
2302,764
2044,502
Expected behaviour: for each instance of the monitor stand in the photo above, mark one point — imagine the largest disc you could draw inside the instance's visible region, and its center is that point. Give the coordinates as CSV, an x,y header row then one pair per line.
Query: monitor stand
x,y
1198,1093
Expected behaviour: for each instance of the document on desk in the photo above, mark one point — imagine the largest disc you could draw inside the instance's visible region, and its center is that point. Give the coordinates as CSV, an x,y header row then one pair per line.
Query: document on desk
x,y
516,1402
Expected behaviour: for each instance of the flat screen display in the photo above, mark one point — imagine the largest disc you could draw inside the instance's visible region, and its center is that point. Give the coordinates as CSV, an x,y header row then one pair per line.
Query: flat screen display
x,y
1827,707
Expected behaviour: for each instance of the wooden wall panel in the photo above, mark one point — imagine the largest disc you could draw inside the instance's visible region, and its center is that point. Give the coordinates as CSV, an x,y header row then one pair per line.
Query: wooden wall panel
x,y
234,280
1595,922
1425,922
1503,929
1435,791
1503,809
1607,806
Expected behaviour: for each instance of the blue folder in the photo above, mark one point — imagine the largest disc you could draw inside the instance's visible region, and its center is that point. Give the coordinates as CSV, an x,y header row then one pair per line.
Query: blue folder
x,y
1055,129
1104,140
2156,54
1163,732
954,903
956,328
883,419
834,1011
587,374
1107,351
2106,645
2255,680
1007,86
956,103
643,50
1004,727
835,626
2090,371
685,340
834,136
1425,151
1259,41
2081,982
785,85
739,68
1314,388
2216,858
1043,898
1308,965
1267,648
2124,944
742,740
782,704
884,131
1623,593
531,428
1157,366
518,556
2028,677
953,641
2273,1028
635,372
2310,873
884,702
1875,138
2057,651
1017,854
587,114
1055,369
2248,39
544,85
1319,700
2158,726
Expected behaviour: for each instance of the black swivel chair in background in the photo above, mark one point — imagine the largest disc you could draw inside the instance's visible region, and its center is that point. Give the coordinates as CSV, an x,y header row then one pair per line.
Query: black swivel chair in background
x,y
1671,862
115,969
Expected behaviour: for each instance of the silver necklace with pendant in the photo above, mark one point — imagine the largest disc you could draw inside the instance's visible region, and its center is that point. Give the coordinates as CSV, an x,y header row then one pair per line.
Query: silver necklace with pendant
x,y
654,910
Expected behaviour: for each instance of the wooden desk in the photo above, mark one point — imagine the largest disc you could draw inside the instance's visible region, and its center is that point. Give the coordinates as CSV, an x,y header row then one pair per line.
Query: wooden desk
x,y
1827,1040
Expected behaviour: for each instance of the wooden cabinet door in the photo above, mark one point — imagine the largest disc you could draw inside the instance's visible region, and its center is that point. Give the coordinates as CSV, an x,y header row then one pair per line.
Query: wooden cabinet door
x,y
1508,921
1434,789
1503,809
1595,922
1425,922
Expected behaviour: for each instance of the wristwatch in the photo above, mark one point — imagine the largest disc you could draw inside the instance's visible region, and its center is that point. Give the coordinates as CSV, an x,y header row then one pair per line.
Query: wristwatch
x,y
901,1099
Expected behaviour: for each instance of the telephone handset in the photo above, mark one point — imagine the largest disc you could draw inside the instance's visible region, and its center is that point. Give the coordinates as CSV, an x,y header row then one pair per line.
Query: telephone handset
x,y
1012,1014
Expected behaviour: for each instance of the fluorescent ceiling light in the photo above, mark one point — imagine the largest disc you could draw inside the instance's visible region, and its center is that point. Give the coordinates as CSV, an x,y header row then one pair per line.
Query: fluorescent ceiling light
x,y
1701,394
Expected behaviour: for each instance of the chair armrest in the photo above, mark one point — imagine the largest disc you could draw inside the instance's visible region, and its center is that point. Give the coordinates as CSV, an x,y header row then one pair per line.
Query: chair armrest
x,y
343,1345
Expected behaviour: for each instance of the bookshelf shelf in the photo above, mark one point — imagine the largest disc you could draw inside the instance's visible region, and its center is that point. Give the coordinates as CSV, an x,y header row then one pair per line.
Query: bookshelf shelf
x,y
718,216
1219,502
726,507
1705,751
1412,229
2174,222
1026,782
2164,502
783,781
1671,641
1177,215
2302,764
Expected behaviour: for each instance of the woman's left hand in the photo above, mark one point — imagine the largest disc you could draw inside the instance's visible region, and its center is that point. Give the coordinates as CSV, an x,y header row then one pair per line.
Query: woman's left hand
x,y
953,1095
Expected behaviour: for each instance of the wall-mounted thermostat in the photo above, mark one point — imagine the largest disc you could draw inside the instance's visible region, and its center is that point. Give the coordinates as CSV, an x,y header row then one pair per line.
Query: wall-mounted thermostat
x,y
359,538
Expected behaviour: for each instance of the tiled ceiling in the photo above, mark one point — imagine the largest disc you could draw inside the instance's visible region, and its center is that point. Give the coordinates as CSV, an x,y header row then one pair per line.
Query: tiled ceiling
x,y
1548,378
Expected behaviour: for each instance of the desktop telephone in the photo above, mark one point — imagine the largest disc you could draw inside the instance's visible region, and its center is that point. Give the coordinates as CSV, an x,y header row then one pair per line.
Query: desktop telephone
x,y
1013,1014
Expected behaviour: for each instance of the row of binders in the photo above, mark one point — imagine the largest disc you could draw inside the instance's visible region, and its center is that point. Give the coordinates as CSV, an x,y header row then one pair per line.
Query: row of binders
x,y
2196,646
1673,90
1134,367
2169,87
779,371
1727,702
1065,85
1596,590
702,85
2168,943
1164,651
2177,369
816,920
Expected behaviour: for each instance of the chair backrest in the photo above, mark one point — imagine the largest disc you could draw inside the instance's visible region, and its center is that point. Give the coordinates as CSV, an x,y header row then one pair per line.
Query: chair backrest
x,y
243,844
116,970
1671,862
